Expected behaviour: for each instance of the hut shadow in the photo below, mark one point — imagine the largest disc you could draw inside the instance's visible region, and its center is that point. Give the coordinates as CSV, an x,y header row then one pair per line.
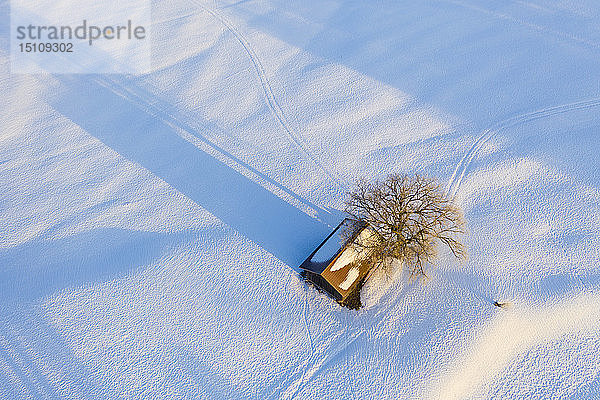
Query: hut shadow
x,y
154,143
151,103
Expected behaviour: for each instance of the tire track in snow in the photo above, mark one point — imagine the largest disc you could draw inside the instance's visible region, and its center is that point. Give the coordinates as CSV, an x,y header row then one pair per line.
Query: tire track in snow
x,y
22,368
270,96
463,165
301,370
330,351
155,111
306,307
188,132
536,27
316,367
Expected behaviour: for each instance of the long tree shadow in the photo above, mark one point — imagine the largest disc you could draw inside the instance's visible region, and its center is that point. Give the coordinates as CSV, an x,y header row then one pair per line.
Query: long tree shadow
x,y
269,221
428,49
30,347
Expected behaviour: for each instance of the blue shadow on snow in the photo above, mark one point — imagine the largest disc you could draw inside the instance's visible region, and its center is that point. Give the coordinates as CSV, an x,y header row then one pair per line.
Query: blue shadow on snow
x,y
280,228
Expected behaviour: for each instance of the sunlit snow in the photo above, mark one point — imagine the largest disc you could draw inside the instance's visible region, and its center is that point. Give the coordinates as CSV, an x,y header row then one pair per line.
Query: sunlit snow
x,y
151,226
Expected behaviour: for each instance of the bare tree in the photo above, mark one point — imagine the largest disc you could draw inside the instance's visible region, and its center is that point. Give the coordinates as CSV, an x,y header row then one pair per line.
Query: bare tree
x,y
407,217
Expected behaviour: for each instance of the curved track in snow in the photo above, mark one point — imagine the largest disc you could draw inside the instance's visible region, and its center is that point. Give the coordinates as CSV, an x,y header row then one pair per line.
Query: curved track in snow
x,y
463,165
270,96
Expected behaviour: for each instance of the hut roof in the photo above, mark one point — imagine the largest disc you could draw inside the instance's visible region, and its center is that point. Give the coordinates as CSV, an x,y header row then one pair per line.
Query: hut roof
x,y
328,250
333,267
344,273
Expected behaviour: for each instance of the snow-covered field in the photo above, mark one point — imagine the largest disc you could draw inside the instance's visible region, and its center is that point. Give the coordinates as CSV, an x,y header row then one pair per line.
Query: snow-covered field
x,y
151,225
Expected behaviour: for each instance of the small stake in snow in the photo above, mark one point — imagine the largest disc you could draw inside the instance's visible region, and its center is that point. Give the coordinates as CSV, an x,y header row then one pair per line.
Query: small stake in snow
x,y
504,305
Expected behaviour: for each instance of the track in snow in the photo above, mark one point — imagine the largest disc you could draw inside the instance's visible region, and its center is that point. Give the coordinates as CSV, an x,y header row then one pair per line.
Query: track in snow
x,y
270,96
531,25
330,350
146,104
149,104
463,165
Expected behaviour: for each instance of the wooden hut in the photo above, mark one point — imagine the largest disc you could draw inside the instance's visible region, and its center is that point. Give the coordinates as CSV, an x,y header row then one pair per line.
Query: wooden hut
x,y
331,266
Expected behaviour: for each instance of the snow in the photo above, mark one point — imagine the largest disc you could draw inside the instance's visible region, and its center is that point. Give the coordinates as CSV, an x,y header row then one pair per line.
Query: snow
x,y
348,255
351,254
151,225
350,278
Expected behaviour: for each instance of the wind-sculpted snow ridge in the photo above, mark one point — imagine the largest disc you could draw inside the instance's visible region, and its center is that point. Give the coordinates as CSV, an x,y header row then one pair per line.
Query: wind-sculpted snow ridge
x,y
151,225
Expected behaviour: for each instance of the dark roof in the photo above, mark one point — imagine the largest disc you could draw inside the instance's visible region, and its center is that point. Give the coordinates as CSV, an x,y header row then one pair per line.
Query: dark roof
x,y
328,250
